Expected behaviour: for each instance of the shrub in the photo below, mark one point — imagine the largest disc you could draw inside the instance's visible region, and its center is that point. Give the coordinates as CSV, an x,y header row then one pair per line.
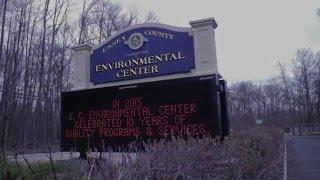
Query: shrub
x,y
250,154
255,153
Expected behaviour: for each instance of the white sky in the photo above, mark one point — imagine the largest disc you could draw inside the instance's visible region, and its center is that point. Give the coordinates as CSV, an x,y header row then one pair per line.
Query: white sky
x,y
252,36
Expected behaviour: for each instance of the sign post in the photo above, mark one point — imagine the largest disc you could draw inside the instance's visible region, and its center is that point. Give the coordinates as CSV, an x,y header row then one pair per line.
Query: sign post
x,y
146,83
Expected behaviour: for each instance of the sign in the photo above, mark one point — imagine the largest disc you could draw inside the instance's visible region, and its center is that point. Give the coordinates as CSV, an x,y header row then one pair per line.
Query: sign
x,y
259,121
186,105
142,52
116,116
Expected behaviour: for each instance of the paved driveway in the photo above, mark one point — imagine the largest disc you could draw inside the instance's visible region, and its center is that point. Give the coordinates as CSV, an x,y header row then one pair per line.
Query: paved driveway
x,y
303,158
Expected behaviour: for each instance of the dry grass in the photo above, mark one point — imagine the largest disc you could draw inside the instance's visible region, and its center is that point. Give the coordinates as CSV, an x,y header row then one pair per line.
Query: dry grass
x,y
252,154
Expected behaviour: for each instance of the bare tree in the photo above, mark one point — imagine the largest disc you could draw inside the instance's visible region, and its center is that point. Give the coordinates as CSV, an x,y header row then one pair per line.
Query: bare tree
x,y
35,55
303,69
101,19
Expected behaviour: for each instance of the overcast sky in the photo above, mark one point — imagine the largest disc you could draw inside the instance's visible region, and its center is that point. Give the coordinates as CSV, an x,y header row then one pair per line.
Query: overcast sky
x,y
252,36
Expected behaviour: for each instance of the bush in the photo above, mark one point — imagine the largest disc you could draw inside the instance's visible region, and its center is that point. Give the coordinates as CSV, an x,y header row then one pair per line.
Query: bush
x,y
251,154
256,153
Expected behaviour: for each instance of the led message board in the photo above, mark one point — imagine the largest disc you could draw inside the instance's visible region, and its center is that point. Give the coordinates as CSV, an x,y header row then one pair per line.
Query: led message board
x,y
142,52
140,112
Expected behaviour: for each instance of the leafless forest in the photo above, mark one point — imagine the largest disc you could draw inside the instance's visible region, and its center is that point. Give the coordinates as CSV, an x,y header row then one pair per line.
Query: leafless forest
x,y
290,99
36,39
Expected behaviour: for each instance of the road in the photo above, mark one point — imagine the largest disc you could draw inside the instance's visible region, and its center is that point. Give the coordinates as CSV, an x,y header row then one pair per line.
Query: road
x,y
303,157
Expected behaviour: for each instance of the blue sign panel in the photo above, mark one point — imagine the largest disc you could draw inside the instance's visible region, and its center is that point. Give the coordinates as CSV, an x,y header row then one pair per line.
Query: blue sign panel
x,y
142,52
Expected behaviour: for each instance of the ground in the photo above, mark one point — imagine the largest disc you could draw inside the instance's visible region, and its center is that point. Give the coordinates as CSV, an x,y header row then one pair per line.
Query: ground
x,y
303,159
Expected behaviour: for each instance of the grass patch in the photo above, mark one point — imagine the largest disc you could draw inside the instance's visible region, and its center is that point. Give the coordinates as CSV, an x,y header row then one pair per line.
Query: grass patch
x,y
42,170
